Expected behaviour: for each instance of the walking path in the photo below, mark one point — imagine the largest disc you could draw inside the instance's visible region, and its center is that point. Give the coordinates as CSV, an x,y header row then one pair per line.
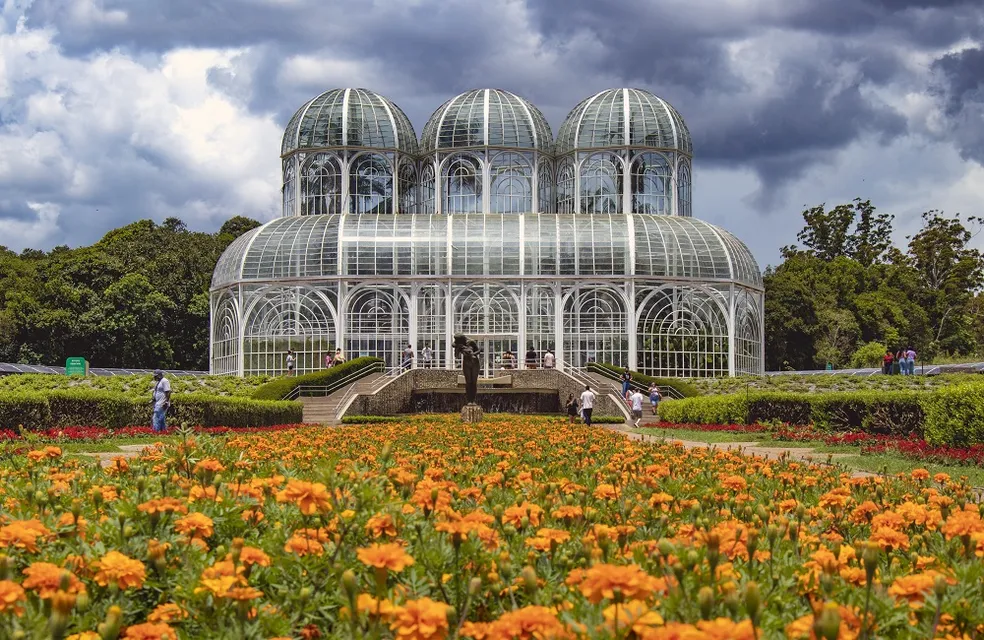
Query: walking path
x,y
126,452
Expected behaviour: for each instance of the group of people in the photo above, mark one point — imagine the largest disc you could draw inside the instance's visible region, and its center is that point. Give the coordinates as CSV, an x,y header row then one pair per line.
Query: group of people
x,y
331,360
584,406
902,362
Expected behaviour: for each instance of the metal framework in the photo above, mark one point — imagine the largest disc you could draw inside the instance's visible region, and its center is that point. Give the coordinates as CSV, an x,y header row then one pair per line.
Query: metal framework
x,y
386,242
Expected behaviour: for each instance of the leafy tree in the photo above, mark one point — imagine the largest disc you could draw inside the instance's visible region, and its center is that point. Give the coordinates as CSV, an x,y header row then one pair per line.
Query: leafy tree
x,y
237,226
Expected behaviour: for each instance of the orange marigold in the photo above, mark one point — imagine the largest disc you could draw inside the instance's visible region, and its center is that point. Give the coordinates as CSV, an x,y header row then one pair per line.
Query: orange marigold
x,y
163,505
23,534
168,612
381,525
634,614
389,556
887,538
602,580
422,619
11,597
123,571
528,623
963,523
45,579
310,497
150,631
195,525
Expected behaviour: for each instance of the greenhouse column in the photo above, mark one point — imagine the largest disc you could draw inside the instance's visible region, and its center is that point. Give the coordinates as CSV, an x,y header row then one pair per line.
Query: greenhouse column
x,y
732,334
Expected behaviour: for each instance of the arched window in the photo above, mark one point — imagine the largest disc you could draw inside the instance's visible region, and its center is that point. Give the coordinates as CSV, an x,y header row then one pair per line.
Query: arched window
x,y
565,186
321,185
290,185
371,185
377,323
683,189
683,332
651,184
545,188
462,179
408,187
601,184
427,187
281,318
512,184
225,336
595,321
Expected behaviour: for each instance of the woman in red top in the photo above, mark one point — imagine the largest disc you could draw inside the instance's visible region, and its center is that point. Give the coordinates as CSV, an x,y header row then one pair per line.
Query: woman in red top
x,y
887,362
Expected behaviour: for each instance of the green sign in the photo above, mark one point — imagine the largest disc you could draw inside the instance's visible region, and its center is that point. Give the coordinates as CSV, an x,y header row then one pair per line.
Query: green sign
x,y
76,367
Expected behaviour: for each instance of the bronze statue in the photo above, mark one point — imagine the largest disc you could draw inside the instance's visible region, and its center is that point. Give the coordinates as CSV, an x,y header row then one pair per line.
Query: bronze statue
x,y
470,365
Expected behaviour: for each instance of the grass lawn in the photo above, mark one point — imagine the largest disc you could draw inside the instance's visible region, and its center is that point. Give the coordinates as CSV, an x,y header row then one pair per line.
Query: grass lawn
x,y
892,465
107,445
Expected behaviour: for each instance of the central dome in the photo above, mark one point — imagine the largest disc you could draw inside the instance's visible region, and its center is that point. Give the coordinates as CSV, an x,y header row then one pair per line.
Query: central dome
x,y
486,118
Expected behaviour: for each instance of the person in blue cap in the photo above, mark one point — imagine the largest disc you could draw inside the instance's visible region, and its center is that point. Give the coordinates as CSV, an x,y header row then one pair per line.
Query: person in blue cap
x,y
161,400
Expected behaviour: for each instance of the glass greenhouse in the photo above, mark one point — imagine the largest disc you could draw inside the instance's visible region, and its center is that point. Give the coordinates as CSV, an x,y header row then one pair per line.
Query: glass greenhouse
x,y
488,226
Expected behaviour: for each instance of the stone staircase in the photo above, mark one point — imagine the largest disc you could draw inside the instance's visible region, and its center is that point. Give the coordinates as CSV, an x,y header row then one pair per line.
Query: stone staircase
x,y
324,409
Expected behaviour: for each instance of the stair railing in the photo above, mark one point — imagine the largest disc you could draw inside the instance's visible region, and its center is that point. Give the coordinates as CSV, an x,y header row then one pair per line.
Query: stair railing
x,y
313,391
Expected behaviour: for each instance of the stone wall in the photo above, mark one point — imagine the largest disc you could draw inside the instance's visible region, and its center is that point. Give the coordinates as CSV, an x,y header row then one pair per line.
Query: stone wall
x,y
396,397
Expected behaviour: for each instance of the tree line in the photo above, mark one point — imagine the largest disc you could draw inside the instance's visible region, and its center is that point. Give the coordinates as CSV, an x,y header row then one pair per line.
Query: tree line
x,y
139,296
136,298
849,293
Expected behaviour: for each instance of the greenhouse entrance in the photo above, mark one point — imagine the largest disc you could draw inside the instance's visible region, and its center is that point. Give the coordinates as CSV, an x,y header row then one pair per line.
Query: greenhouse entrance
x,y
494,348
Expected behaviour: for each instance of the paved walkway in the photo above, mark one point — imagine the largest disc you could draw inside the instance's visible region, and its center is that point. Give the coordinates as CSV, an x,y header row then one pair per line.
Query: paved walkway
x,y
126,451
752,448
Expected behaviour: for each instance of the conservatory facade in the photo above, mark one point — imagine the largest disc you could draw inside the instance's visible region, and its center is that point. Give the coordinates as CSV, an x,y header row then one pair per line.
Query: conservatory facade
x,y
487,226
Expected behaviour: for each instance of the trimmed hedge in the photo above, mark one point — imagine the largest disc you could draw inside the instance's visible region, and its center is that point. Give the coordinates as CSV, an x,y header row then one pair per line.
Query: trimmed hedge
x,y
281,387
685,389
898,413
85,407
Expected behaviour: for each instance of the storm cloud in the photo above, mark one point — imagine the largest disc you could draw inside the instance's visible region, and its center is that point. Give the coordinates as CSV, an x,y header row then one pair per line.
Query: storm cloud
x,y
121,109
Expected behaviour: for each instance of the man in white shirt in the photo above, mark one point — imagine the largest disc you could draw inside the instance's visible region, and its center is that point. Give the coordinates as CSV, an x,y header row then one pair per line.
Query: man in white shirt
x,y
587,404
549,360
162,400
636,400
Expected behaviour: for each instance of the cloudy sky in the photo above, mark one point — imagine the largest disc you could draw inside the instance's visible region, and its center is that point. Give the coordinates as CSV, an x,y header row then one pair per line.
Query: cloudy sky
x,y
116,110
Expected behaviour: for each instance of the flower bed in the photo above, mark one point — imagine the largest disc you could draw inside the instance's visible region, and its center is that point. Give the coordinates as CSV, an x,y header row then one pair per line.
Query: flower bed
x,y
513,528
75,434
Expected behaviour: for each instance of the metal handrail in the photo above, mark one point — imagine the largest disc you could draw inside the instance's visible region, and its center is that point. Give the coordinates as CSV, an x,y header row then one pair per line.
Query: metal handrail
x,y
664,390
328,389
385,379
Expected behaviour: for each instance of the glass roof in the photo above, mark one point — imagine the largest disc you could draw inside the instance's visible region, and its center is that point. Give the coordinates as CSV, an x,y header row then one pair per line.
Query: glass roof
x,y
529,245
622,118
349,118
486,117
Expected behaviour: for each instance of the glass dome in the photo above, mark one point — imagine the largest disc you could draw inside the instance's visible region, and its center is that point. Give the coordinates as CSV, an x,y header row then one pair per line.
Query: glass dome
x,y
486,118
645,246
349,118
624,118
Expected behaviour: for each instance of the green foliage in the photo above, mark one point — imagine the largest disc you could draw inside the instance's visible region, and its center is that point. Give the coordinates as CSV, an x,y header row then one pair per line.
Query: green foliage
x,y
136,298
955,415
24,410
281,387
868,355
727,409
607,420
850,287
686,389
133,385
88,407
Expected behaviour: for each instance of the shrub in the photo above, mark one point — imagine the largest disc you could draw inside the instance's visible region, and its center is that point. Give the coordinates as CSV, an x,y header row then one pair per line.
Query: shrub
x,y
955,416
24,410
607,420
72,407
685,389
281,387
212,411
731,409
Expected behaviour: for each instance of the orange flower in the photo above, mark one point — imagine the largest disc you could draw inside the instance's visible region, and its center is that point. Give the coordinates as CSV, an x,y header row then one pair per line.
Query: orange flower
x,y
195,525
49,453
634,614
45,579
381,525
528,623
726,629
123,571
251,555
422,619
243,594
887,538
915,587
23,534
218,586
606,492
150,631
168,612
303,546
602,580
11,597
390,556
163,505
850,625
209,464
310,497
963,523
734,483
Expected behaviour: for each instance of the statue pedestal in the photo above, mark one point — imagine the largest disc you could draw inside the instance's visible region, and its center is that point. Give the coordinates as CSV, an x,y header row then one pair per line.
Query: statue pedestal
x,y
471,413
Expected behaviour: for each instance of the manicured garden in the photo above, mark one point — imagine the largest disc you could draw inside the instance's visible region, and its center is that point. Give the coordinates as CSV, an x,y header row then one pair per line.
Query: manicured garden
x,y
513,528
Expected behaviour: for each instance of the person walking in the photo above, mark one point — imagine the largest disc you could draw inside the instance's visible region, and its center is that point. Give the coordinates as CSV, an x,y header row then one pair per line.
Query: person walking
x,y
290,362
572,409
339,358
626,383
654,397
531,357
427,356
161,401
910,358
897,365
887,362
328,360
587,404
636,400
407,358
549,360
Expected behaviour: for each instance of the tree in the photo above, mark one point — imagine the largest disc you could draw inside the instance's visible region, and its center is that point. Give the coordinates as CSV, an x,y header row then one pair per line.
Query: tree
x,y
826,232
872,235
237,226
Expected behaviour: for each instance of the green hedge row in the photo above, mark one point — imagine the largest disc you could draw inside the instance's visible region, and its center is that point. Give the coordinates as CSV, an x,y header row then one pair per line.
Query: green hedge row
x,y
686,389
64,408
281,387
952,415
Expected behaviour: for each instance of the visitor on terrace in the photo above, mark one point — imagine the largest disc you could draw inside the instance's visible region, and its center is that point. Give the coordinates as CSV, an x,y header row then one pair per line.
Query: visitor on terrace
x,y
407,358
626,383
161,400
654,397
531,357
887,362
